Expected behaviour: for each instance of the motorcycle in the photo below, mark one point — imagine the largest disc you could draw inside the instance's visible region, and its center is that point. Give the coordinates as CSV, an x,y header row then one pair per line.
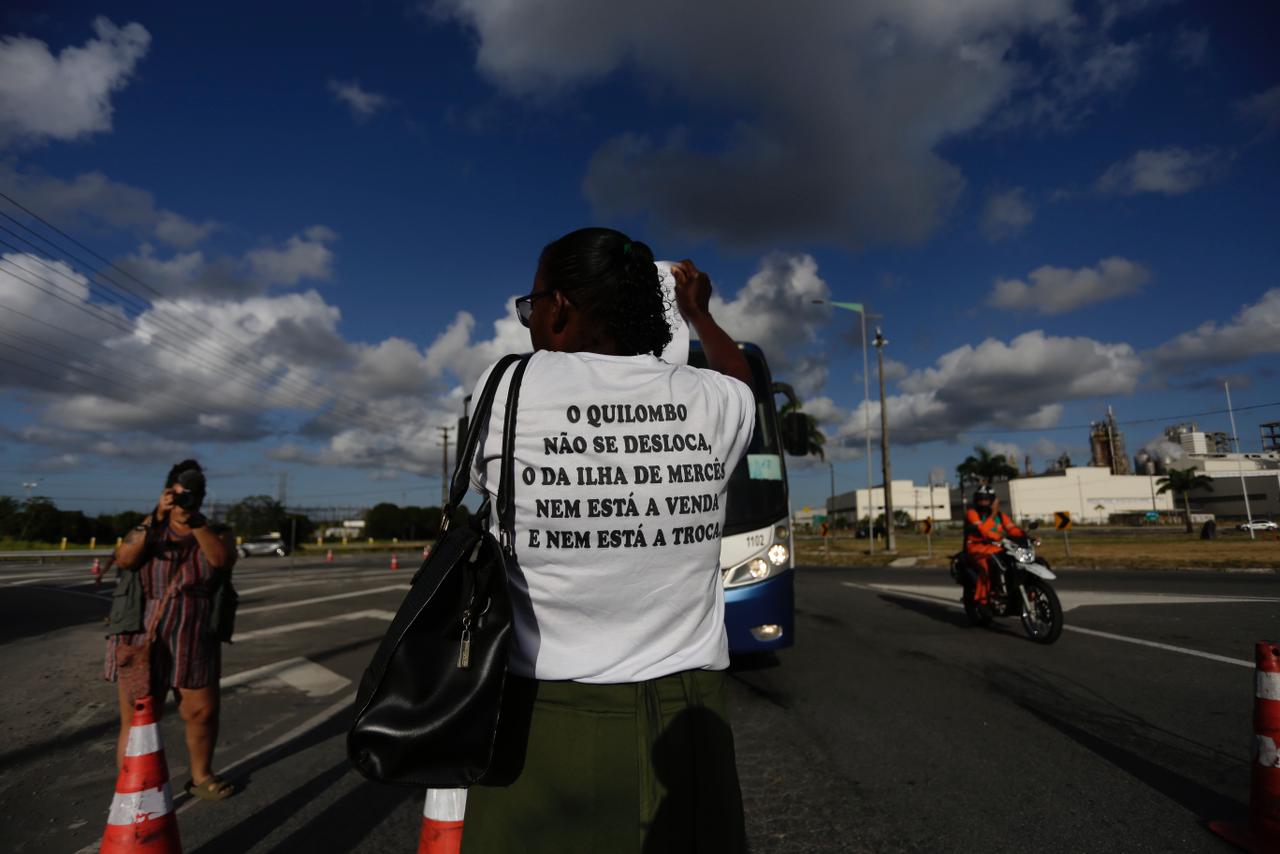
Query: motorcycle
x,y
1019,587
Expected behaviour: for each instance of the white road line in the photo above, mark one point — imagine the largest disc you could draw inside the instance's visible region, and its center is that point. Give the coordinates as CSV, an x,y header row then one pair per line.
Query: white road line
x,y
1072,599
314,624
1125,639
80,718
301,602
300,730
313,679
16,578
951,603
101,597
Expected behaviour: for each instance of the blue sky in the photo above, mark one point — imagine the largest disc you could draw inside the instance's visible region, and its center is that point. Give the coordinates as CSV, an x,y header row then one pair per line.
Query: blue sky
x,y
322,218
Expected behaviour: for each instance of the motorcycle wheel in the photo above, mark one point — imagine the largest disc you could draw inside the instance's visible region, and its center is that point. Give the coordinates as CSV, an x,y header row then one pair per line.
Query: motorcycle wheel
x,y
1045,624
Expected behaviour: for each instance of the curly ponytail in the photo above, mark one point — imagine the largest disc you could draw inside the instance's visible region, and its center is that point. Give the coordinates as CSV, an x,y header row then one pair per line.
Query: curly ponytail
x,y
614,282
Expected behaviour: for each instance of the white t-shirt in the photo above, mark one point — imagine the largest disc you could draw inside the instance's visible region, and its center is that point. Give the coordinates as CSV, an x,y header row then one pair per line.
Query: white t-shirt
x,y
621,468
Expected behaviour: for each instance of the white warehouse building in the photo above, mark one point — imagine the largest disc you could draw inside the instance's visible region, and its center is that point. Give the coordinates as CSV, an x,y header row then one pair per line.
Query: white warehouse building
x,y
918,502
1088,493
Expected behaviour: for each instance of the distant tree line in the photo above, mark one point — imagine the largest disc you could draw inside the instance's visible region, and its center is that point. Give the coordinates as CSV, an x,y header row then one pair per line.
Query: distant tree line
x,y
38,519
389,521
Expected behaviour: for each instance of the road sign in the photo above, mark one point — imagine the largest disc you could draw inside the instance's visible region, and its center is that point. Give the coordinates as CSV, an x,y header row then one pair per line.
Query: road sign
x,y
1062,520
926,527
1152,516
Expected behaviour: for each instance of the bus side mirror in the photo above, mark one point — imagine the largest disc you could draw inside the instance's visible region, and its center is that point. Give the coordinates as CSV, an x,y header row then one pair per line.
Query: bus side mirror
x,y
795,433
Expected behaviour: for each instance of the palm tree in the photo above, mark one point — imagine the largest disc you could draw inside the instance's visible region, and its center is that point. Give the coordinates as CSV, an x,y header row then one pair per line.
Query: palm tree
x,y
1182,481
985,467
817,440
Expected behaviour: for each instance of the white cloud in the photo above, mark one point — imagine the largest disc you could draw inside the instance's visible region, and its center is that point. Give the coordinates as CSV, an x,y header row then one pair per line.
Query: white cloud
x,y
303,256
1172,171
1191,47
1057,290
1011,451
1006,214
775,308
894,370
362,103
1254,331
1116,10
1263,107
1021,384
94,200
835,111
43,96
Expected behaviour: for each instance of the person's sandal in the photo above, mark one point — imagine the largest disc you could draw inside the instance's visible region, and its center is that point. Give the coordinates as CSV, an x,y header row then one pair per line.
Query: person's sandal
x,y
212,789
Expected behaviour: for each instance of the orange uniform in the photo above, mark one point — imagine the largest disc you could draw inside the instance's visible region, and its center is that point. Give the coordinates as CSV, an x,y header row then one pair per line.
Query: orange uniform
x,y
982,536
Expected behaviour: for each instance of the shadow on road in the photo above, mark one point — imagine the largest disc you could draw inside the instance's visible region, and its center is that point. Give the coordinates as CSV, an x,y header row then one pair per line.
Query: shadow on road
x,y
32,610
1146,751
939,611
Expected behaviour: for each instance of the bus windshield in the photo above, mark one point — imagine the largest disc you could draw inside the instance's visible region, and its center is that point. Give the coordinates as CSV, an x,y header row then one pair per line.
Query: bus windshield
x,y
760,501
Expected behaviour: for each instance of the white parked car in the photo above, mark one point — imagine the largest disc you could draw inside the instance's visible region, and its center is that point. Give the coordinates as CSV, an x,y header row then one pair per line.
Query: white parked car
x,y
1257,525
264,546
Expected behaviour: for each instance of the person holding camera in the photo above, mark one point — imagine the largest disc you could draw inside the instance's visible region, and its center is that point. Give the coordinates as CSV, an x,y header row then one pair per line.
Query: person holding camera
x,y
172,567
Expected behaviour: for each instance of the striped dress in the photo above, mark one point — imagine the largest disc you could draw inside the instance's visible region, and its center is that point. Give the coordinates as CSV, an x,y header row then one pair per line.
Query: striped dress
x,y
186,653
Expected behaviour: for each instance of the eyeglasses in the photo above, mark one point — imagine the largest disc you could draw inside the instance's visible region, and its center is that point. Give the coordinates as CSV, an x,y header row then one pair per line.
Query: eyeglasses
x,y
524,306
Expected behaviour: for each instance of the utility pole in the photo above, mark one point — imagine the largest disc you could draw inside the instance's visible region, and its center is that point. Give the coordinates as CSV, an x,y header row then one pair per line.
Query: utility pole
x,y
831,512
1244,488
444,467
889,538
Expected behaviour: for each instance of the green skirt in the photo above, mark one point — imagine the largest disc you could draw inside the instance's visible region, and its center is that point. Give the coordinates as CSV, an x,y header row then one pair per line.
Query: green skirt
x,y
643,767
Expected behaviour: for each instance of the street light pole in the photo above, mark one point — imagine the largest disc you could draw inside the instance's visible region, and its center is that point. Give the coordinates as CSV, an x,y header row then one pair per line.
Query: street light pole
x,y
866,422
889,539
866,419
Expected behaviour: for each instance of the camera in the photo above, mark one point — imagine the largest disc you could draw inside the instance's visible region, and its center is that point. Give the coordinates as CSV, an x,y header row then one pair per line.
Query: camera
x,y
193,483
187,500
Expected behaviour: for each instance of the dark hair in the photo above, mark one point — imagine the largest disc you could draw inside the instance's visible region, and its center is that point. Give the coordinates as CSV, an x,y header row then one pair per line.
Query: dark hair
x,y
192,482
614,282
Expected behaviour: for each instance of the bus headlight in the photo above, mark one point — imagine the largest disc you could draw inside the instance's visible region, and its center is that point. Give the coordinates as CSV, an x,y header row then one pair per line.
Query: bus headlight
x,y
755,569
778,554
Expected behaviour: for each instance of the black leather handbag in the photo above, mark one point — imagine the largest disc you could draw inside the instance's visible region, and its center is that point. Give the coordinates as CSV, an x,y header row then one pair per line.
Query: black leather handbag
x,y
426,712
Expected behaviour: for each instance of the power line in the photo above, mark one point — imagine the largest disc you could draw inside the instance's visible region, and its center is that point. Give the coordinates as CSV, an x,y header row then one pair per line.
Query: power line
x,y
128,328
237,342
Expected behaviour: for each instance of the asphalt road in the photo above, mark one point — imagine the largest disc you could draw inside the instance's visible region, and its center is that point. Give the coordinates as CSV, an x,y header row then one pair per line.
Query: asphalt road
x,y
890,726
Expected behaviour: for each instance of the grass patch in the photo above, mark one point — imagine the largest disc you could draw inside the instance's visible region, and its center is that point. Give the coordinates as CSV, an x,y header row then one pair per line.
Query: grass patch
x,y
1092,550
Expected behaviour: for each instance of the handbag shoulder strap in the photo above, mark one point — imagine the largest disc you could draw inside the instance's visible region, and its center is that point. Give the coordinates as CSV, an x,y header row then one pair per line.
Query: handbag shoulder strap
x,y
479,421
169,591
507,481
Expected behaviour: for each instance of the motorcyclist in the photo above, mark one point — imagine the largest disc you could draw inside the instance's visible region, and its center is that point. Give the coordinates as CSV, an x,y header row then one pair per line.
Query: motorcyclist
x,y
984,527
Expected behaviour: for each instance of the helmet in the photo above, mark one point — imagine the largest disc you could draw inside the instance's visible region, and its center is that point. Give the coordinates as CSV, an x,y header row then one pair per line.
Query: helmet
x,y
984,496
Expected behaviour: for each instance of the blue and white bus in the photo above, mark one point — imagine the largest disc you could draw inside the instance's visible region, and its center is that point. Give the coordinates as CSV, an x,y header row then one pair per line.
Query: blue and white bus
x,y
757,554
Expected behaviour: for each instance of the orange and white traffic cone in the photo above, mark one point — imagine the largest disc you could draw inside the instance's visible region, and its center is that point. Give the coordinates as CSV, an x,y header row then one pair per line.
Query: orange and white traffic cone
x,y
141,820
395,561
442,821
1262,833
328,558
